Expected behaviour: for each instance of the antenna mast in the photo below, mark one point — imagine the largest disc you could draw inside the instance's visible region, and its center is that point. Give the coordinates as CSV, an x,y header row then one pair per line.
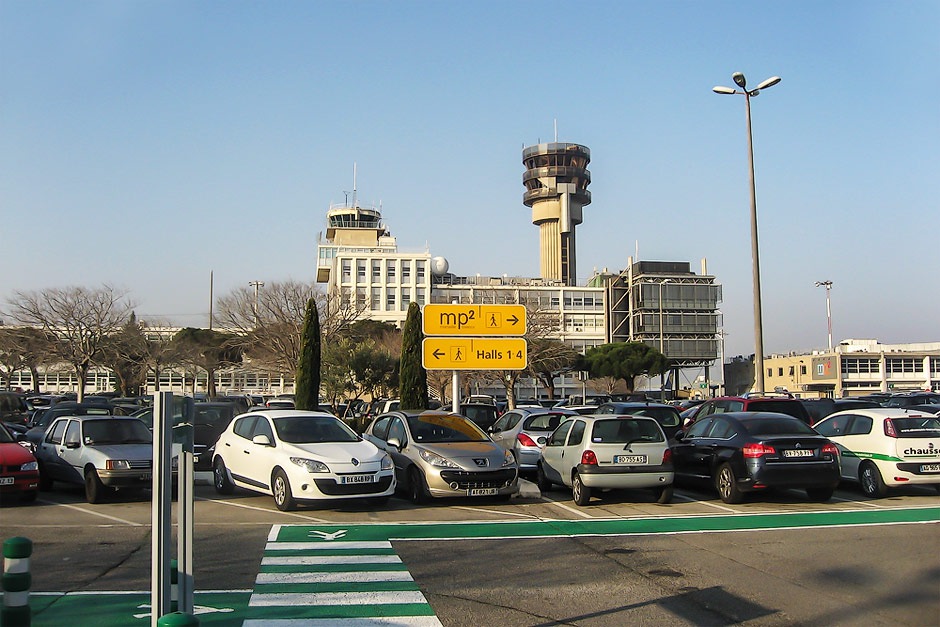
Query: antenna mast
x,y
354,203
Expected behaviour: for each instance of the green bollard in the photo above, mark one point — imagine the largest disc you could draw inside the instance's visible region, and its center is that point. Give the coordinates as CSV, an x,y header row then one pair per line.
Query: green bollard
x,y
178,619
16,583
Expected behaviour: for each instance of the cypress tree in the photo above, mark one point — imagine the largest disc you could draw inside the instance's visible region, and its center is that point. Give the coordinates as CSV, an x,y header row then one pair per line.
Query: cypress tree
x,y
413,378
307,379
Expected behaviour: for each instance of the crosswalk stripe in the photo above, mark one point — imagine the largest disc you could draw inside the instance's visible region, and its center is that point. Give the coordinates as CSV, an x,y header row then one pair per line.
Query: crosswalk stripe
x,y
375,621
397,597
318,546
333,577
286,560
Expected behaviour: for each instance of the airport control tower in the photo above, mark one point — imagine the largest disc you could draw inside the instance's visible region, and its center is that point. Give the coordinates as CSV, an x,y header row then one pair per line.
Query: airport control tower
x,y
556,181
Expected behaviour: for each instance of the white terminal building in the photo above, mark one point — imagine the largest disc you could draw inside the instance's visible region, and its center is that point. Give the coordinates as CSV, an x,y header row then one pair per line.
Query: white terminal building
x,y
663,304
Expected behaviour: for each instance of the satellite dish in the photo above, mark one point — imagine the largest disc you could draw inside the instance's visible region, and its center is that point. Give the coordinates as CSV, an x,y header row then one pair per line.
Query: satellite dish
x,y
439,266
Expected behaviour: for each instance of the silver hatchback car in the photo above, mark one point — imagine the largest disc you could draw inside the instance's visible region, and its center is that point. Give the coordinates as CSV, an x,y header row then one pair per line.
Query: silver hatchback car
x,y
524,431
607,452
441,454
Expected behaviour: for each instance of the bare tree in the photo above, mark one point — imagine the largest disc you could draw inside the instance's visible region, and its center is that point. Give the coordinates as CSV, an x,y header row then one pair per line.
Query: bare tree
x,y
269,323
80,318
23,348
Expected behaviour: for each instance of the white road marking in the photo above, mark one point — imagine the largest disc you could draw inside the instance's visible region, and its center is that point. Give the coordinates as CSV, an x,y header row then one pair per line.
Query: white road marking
x,y
298,560
343,577
567,508
93,513
315,545
378,621
495,511
708,503
262,509
397,597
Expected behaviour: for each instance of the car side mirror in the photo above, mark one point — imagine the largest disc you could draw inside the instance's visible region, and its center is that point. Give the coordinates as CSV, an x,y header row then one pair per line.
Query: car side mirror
x,y
262,440
394,443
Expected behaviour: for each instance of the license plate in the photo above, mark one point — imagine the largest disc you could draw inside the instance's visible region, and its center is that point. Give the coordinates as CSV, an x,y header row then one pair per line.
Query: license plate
x,y
6,480
146,476
798,452
358,478
484,491
930,468
629,459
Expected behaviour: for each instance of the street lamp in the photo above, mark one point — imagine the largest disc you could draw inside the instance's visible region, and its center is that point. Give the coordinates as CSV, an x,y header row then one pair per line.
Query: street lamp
x,y
662,342
741,82
828,286
257,285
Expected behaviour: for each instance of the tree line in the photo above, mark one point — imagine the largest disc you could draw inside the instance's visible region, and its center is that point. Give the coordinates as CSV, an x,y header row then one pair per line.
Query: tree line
x,y
81,328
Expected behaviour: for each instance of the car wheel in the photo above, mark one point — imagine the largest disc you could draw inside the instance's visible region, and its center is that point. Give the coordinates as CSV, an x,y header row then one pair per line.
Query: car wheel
x,y
727,485
417,489
45,481
94,489
872,484
580,492
220,478
664,494
820,495
29,496
283,497
542,481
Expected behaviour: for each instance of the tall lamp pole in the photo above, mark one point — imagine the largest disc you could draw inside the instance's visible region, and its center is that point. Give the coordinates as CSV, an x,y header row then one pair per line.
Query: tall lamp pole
x,y
741,82
257,285
828,286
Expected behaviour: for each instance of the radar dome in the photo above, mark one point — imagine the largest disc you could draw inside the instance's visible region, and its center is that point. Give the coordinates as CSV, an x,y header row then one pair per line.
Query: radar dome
x,y
439,266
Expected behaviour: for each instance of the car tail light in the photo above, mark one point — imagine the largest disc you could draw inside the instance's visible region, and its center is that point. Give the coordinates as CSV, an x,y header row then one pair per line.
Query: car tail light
x,y
829,448
758,450
667,456
588,458
890,431
525,440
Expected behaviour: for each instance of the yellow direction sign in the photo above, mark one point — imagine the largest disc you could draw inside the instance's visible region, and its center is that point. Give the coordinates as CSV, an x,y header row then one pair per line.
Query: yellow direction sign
x,y
459,353
439,319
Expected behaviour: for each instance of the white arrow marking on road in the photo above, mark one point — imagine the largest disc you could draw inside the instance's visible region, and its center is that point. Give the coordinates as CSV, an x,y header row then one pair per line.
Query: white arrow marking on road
x,y
328,536
197,609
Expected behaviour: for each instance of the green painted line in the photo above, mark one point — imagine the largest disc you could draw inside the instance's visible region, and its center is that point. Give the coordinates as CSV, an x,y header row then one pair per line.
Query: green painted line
x,y
329,568
560,528
339,611
367,586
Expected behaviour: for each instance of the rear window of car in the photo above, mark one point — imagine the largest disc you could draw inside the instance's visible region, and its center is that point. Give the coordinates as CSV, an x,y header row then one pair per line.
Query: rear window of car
x,y
543,422
917,427
665,416
777,426
790,408
624,430
214,416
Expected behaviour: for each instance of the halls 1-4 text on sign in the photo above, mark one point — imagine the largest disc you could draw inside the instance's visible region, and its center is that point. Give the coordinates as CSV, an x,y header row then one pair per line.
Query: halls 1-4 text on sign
x,y
475,320
458,353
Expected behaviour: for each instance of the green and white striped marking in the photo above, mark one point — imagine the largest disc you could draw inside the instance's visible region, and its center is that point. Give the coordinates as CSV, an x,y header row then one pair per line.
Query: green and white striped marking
x,y
324,580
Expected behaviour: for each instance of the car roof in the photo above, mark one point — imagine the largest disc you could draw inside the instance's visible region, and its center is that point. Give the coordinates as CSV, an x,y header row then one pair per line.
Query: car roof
x,y
882,412
632,404
747,416
284,413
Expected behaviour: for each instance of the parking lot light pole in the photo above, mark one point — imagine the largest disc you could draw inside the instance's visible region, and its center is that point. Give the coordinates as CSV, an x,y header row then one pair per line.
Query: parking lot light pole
x,y
828,286
741,82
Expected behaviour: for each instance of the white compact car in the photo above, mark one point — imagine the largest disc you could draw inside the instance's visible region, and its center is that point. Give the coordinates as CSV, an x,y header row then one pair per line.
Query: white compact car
x,y
300,456
607,452
884,448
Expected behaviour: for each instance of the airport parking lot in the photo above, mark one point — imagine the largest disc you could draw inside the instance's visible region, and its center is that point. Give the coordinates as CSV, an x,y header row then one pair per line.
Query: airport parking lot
x,y
536,560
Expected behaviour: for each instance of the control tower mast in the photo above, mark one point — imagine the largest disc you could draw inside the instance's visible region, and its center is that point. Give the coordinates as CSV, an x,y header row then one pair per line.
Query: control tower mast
x,y
556,181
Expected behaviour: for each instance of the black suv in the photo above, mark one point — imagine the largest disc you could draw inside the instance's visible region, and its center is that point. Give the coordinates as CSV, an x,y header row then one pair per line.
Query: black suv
x,y
915,398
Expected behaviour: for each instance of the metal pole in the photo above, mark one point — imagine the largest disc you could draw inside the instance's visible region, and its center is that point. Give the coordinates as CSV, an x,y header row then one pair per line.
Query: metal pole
x,y
755,260
829,314
662,375
161,508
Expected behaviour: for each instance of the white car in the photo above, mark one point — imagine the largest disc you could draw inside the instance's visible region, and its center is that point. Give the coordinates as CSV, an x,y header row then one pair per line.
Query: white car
x,y
297,456
884,448
607,452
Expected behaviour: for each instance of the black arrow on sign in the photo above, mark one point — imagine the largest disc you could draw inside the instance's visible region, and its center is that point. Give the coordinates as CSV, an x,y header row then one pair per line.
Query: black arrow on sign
x,y
513,319
438,353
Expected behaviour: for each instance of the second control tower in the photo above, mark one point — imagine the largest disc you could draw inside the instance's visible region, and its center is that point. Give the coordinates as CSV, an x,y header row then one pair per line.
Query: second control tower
x,y
556,180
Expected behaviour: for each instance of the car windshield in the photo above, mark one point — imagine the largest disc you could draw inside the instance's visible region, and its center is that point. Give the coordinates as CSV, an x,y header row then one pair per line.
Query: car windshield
x,y
313,430
5,436
917,426
777,426
665,416
213,416
625,430
115,431
543,422
434,428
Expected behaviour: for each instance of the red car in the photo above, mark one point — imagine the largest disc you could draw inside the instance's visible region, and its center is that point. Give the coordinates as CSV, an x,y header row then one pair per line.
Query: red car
x,y
19,472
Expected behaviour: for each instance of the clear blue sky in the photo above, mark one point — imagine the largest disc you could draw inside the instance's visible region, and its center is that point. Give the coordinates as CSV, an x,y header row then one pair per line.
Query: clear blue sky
x,y
143,144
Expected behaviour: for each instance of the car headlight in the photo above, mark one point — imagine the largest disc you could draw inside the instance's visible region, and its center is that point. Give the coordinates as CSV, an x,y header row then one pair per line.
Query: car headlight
x,y
436,460
310,465
117,464
509,459
28,466
387,463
